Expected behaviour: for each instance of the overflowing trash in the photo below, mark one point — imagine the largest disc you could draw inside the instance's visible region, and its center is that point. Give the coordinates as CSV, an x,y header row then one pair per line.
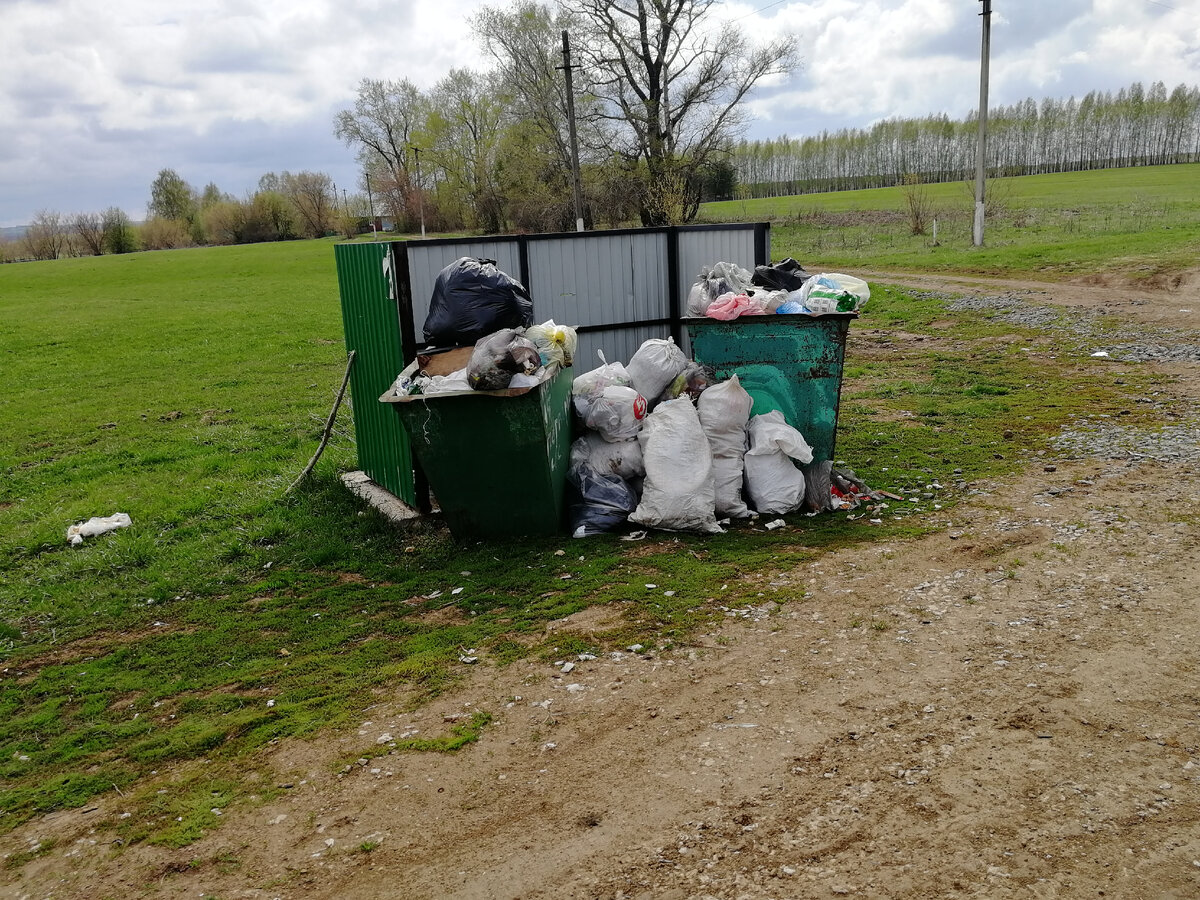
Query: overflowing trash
x,y
659,441
472,299
727,291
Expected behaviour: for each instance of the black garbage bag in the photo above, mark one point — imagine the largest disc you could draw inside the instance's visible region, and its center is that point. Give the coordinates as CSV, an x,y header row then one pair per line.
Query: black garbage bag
x,y
498,357
600,501
472,298
787,275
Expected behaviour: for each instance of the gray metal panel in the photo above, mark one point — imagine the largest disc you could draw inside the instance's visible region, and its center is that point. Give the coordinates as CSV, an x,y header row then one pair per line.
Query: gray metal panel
x,y
618,345
703,248
426,260
598,279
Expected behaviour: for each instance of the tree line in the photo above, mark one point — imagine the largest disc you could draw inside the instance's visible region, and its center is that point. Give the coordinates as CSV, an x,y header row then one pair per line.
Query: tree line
x,y
1134,127
657,93
283,207
657,97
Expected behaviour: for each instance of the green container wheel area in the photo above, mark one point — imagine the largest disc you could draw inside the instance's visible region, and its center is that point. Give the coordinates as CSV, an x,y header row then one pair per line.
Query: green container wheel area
x,y
496,465
792,363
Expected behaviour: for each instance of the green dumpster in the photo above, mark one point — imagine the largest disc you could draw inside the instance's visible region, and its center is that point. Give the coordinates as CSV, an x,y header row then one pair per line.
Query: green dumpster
x,y
792,363
496,460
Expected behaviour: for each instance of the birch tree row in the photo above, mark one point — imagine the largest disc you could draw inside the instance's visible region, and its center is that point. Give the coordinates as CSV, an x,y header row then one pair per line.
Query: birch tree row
x,y
1135,127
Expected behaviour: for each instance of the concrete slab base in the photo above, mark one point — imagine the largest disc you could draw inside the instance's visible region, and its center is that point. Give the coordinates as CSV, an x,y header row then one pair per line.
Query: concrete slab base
x,y
380,498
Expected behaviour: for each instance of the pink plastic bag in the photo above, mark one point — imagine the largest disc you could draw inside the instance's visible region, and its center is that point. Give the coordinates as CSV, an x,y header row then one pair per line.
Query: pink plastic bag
x,y
730,306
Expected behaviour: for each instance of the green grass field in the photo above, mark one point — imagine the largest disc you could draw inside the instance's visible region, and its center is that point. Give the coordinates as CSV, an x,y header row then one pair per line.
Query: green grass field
x,y
1143,222
188,388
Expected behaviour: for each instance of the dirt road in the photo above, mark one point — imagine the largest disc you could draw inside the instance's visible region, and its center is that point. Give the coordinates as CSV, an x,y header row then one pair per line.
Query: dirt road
x,y
1007,708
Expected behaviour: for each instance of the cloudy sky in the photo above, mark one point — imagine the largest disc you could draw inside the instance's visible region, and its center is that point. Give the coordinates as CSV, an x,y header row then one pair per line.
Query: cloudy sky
x,y
96,98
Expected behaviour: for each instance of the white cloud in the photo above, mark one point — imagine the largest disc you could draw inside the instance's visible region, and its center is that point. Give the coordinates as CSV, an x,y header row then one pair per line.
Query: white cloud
x,y
96,98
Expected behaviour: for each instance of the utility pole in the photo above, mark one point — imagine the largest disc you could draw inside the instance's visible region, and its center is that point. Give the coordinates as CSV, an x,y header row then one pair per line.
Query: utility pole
x,y
981,145
575,178
371,205
420,195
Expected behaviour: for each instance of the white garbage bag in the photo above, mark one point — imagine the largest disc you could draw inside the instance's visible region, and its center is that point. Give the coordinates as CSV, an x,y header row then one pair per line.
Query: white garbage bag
x,y
724,411
623,458
616,413
678,493
654,366
773,483
590,384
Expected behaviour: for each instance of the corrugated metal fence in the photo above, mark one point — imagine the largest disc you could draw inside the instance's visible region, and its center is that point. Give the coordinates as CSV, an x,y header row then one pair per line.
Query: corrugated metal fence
x,y
617,287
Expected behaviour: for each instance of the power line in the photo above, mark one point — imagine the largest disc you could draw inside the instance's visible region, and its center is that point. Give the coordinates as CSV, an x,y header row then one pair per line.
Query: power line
x,y
757,11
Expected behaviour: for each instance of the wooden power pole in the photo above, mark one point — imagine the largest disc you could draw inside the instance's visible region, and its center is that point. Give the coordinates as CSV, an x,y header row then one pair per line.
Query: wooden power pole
x,y
575,177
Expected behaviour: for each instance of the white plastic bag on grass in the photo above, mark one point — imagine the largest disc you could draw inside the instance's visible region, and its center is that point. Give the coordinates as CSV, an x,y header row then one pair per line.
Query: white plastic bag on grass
x,y
97,525
773,483
724,411
678,491
654,366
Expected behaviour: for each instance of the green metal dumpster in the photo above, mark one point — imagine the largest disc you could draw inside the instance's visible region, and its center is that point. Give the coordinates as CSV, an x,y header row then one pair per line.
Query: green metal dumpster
x,y
792,363
496,460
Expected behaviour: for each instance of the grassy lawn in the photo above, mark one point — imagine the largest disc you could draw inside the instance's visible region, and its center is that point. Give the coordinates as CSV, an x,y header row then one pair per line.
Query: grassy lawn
x,y
1141,221
187,388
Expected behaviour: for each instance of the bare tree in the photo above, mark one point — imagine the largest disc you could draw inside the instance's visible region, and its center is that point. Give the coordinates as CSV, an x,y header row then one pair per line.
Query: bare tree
x,y
46,237
672,86
89,228
311,194
382,123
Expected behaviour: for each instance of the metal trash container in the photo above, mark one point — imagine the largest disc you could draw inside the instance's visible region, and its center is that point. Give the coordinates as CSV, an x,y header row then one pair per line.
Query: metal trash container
x,y
792,363
496,461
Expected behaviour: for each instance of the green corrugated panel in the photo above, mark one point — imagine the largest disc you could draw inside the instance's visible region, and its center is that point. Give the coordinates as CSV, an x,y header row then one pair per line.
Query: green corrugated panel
x,y
373,330
792,363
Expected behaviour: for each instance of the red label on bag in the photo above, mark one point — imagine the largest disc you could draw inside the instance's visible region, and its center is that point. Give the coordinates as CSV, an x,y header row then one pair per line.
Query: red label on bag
x,y
639,407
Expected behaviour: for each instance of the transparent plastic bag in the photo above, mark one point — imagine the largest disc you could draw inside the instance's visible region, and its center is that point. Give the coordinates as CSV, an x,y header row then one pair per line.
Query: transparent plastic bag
x,y
591,383
621,458
556,343
498,357
600,501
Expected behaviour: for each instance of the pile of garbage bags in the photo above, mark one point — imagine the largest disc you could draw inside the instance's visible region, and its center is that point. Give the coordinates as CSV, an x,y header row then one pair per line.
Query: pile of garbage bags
x,y
726,291
665,445
474,304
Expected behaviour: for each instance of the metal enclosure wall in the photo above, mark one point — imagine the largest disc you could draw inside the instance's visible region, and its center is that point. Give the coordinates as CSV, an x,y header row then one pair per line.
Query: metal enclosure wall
x,y
427,258
619,287
373,330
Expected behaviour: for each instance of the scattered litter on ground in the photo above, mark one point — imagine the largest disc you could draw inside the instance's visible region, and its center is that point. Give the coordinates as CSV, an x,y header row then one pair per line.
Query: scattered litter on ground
x,y
96,526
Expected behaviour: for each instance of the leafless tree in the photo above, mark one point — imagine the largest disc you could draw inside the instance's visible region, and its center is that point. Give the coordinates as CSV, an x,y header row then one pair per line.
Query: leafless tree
x,y
46,237
672,86
89,228
311,194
